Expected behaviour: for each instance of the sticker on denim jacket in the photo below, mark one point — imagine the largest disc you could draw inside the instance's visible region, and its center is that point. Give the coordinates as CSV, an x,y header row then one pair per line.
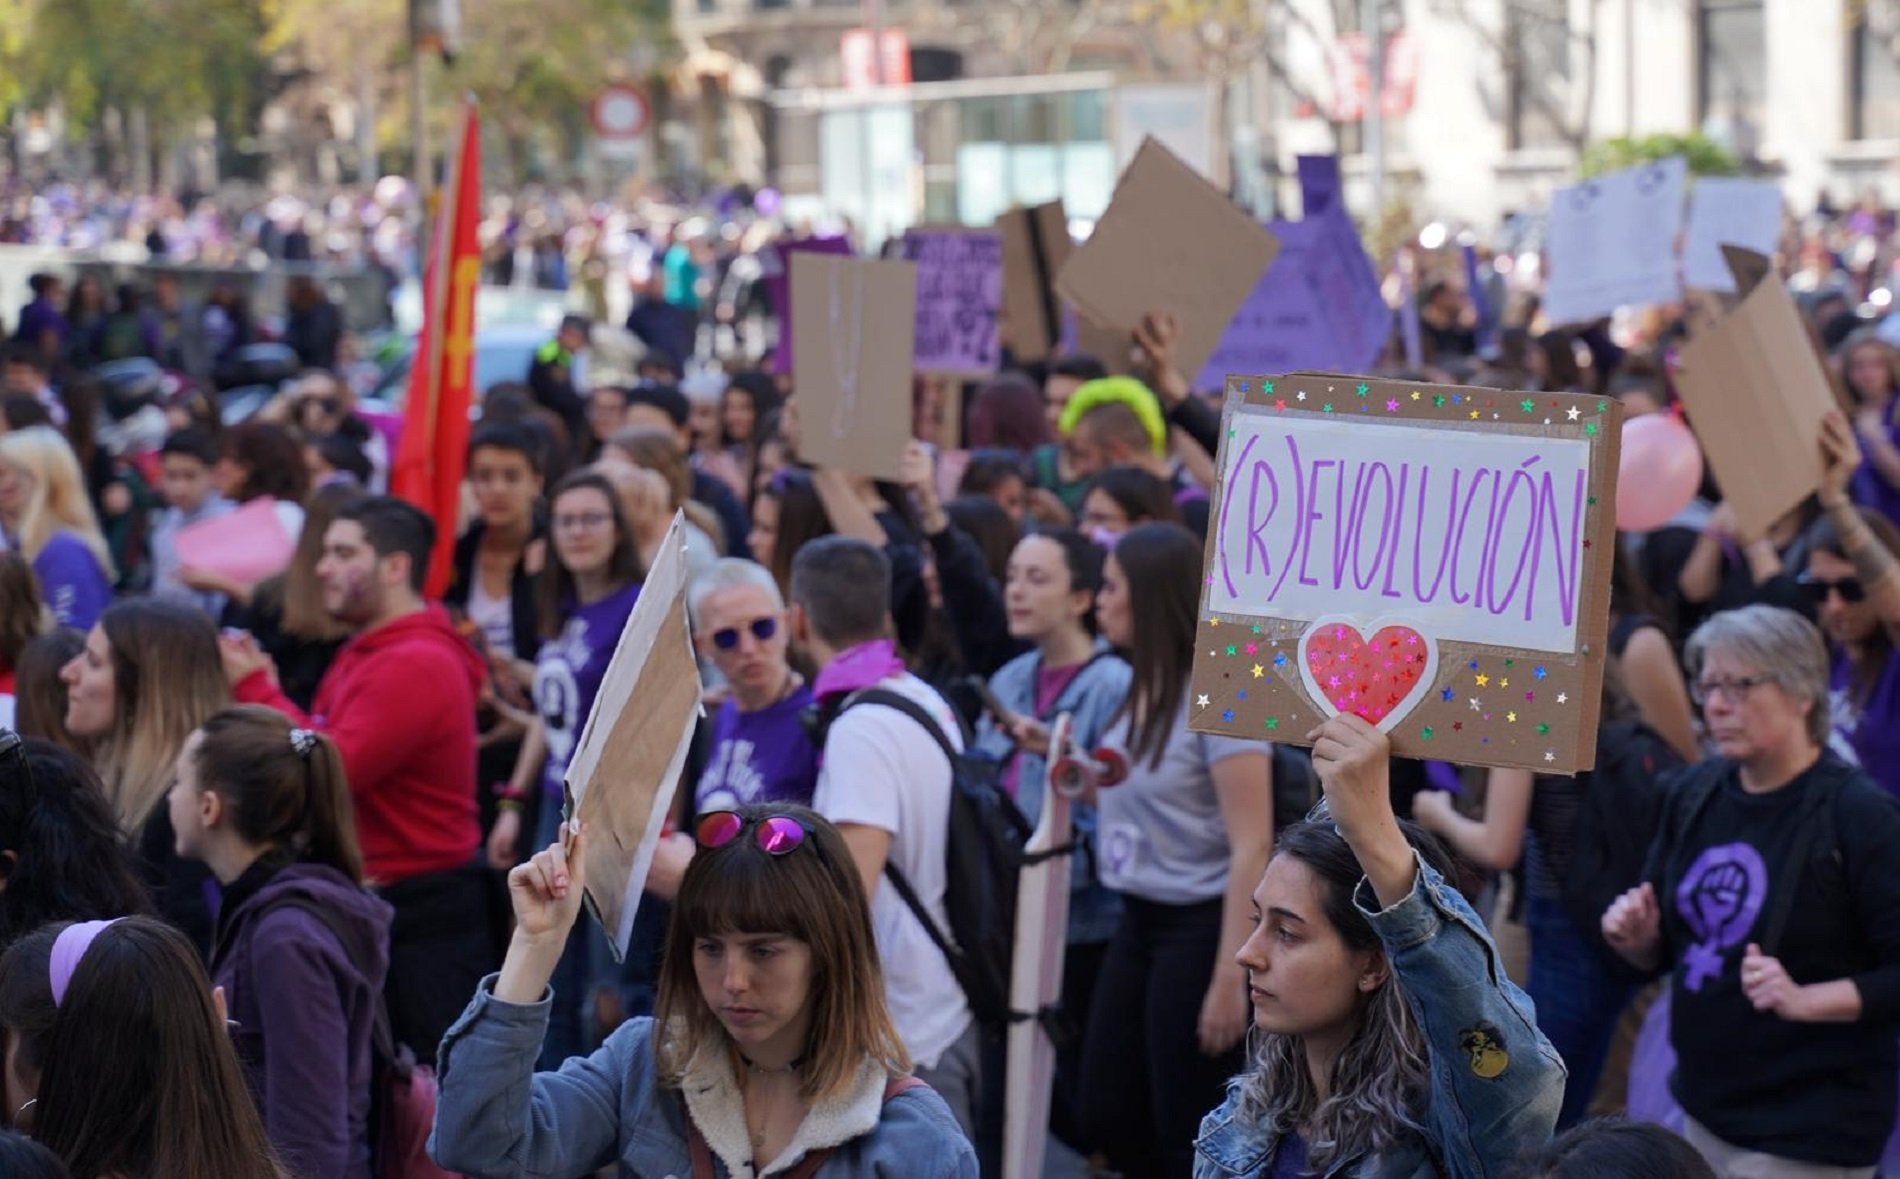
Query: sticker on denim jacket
x,y
1484,1044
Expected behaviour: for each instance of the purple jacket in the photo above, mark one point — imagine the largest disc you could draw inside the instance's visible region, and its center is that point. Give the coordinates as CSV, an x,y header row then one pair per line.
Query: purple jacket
x,y
304,1012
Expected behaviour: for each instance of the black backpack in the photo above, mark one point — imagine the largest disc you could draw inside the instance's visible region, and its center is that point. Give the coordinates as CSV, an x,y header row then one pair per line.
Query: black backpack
x,y
983,859
1619,811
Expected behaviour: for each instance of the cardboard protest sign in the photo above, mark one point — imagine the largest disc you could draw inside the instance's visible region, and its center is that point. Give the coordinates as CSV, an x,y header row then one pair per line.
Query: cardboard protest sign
x,y
246,544
776,265
621,779
1169,241
1434,559
1612,242
852,368
1756,393
959,300
1727,212
1035,245
1319,306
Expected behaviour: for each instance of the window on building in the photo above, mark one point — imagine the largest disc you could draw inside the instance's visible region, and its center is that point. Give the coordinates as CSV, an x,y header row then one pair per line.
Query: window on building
x,y
1537,73
1732,71
771,3
1874,81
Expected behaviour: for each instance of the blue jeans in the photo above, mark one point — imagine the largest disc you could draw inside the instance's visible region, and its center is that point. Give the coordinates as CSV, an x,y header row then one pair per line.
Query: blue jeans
x,y
1578,998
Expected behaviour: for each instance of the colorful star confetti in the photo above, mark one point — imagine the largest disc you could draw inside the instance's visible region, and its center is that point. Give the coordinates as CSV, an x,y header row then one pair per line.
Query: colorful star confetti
x,y
1200,702
1362,390
1484,681
1258,671
1528,405
1510,718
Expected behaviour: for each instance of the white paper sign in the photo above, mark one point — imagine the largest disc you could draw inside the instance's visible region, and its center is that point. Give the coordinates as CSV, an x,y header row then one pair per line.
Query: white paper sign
x,y
1725,212
1471,537
1612,242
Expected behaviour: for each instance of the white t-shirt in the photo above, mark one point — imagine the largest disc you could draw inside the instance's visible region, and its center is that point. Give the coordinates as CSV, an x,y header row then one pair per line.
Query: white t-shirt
x,y
881,770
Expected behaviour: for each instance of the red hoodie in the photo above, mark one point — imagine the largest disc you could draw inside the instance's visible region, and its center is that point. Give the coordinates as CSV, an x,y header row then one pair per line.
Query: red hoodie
x,y
399,701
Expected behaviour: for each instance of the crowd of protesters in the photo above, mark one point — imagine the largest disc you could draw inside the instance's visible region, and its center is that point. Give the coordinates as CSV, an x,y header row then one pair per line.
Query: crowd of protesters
x,y
264,839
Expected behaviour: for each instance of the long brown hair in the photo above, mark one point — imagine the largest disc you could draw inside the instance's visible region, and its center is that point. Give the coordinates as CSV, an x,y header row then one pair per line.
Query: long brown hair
x,y
277,795
812,893
40,693
657,450
1161,564
23,615
297,587
167,678
137,1074
557,593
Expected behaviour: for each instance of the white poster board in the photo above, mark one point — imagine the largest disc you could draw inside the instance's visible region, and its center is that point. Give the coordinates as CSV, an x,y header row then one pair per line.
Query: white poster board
x,y
1475,536
1612,242
1728,212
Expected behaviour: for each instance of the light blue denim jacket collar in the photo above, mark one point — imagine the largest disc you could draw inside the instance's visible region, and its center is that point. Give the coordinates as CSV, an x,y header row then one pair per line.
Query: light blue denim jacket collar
x,y
1496,1083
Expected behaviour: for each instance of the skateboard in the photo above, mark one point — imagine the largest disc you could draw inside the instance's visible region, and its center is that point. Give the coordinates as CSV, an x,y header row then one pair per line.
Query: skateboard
x,y
1042,922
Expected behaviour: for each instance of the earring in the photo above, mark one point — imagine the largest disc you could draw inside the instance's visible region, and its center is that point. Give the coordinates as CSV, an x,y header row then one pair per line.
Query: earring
x,y
14,1121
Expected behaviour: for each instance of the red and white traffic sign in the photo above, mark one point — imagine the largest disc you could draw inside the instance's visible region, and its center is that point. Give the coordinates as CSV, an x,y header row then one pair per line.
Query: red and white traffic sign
x,y
621,112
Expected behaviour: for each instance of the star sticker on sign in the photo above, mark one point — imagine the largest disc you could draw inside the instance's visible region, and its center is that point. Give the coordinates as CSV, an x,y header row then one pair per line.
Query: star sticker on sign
x,y
1200,702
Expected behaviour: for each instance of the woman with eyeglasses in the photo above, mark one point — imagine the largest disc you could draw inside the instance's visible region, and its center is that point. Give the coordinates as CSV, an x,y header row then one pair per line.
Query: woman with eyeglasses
x,y
1851,578
1770,899
771,1049
587,595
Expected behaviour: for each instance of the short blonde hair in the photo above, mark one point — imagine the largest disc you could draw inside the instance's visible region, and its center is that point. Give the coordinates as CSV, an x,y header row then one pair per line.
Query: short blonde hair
x,y
1777,643
57,501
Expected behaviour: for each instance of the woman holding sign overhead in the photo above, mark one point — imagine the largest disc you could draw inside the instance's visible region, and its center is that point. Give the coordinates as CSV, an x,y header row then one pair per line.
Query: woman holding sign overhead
x,y
586,599
770,1051
1183,838
1391,1044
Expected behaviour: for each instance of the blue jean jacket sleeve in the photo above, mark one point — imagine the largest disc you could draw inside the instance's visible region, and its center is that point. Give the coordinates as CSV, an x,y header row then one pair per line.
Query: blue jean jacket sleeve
x,y
496,1118
1497,1083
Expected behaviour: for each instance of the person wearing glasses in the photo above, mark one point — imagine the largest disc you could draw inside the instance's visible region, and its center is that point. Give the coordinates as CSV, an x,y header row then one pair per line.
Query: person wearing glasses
x,y
761,750
587,595
1851,578
1770,899
771,1049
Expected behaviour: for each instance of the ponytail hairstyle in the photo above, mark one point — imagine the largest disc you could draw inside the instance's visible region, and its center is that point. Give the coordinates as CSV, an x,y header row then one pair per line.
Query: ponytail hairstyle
x,y
281,786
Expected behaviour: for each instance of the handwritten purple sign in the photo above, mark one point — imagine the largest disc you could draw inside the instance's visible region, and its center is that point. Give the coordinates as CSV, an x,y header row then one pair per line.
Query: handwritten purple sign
x,y
1472,536
1318,307
959,298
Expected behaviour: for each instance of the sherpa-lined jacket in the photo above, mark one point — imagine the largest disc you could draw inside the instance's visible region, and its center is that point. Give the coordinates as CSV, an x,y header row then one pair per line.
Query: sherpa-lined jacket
x,y
496,1118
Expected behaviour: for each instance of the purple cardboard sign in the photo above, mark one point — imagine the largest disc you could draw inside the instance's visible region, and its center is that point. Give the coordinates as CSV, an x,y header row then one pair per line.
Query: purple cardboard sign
x,y
778,286
959,299
1317,308
1319,184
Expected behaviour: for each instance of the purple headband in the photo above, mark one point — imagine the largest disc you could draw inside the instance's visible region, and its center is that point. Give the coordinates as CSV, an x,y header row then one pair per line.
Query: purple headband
x,y
68,948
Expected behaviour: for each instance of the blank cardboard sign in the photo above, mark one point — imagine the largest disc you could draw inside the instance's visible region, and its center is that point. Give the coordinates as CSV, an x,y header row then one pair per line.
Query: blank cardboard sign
x,y
1756,393
1169,241
621,779
1431,558
1035,246
855,333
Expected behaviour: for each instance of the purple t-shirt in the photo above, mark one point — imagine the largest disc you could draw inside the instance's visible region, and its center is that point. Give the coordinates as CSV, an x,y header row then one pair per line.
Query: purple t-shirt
x,y
1051,682
763,756
567,674
1869,734
74,585
1870,488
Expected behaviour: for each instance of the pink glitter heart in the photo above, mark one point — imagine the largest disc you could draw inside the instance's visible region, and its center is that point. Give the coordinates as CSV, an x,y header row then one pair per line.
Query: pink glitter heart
x,y
1377,679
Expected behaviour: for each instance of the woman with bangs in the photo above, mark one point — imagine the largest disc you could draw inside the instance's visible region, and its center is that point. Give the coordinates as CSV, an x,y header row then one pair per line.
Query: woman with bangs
x,y
771,1051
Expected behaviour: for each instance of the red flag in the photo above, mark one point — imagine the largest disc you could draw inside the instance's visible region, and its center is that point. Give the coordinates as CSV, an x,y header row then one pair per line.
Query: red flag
x,y
432,452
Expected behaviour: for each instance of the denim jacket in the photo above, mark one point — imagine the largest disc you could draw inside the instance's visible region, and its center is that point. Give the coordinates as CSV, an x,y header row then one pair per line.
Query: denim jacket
x,y
1091,699
1496,1083
496,1118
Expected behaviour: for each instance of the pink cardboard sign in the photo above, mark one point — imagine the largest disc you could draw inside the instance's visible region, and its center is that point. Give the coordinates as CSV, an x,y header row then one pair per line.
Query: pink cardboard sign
x,y
246,545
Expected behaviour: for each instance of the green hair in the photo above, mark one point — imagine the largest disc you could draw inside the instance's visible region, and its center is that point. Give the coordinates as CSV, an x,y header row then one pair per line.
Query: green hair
x,y
1119,391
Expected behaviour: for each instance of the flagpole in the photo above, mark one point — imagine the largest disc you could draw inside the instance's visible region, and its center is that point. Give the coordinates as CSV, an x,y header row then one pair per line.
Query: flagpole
x,y
440,280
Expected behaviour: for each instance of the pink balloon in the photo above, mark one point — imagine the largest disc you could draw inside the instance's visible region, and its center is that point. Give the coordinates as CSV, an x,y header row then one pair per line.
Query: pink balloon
x,y
1660,470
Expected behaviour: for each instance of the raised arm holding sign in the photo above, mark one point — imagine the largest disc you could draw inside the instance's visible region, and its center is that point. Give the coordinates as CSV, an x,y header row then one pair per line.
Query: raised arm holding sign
x,y
621,779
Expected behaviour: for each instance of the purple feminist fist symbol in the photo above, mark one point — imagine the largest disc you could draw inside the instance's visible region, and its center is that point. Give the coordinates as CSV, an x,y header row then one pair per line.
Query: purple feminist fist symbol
x,y
1720,896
